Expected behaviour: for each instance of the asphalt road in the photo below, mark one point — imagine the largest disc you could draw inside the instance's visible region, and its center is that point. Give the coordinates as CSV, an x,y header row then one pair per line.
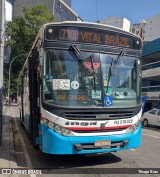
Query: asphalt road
x,y
142,159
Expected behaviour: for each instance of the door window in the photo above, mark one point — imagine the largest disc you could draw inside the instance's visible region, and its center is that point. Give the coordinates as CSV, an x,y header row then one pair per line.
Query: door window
x,y
153,112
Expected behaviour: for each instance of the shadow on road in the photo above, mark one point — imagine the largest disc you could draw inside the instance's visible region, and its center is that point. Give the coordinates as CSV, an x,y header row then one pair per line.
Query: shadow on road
x,y
73,161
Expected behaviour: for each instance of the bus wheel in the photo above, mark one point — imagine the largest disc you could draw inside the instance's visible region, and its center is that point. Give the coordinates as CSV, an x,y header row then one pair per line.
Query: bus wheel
x,y
145,122
22,125
36,146
20,115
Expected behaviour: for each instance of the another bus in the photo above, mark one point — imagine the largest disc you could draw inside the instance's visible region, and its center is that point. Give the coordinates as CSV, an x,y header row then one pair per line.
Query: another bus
x,y
80,89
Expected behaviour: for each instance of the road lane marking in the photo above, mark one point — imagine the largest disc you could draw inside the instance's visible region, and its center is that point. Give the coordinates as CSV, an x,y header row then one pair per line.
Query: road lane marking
x,y
28,161
151,135
133,150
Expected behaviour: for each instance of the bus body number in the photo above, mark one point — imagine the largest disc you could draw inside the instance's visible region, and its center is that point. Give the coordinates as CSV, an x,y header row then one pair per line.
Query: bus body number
x,y
125,121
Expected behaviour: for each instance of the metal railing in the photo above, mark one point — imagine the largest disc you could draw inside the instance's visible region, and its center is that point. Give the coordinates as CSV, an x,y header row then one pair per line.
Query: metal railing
x,y
151,89
151,65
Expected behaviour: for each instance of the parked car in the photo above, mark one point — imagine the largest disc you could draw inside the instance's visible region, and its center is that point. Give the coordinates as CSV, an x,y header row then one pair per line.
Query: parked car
x,y
151,117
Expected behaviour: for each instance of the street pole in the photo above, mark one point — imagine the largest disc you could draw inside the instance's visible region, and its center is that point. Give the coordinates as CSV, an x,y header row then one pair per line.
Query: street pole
x,y
2,32
9,80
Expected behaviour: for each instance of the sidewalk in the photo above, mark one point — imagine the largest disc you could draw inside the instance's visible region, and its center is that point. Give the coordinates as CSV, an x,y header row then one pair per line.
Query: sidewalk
x,y
7,149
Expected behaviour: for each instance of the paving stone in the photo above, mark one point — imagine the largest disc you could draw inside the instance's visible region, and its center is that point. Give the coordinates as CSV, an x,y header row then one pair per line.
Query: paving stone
x,y
7,151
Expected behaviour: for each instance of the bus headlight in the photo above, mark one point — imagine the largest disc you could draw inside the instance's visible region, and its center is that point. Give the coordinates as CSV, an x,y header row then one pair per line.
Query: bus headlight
x,y
51,125
57,128
45,121
134,126
65,132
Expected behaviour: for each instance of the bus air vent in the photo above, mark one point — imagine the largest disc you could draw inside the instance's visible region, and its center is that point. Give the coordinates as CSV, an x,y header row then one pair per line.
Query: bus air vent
x,y
97,115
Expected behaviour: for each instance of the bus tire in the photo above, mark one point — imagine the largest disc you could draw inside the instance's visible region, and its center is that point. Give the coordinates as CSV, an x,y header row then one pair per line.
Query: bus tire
x,y
22,125
145,123
36,146
20,116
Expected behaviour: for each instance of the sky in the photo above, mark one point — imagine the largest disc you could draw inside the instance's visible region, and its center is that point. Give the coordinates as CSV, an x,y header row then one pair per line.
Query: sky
x,y
133,10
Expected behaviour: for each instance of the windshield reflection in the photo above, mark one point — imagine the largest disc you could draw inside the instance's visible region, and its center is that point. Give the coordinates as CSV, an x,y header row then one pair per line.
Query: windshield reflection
x,y
67,83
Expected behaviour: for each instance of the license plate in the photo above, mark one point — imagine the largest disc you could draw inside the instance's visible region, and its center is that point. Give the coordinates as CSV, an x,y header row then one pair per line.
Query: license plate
x,y
101,143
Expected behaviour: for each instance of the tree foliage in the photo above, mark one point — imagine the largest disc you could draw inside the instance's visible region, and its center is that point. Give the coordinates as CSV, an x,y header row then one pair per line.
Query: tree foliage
x,y
21,33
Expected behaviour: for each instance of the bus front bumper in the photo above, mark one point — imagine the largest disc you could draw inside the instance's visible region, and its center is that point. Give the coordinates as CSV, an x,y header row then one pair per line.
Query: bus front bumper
x,y
53,143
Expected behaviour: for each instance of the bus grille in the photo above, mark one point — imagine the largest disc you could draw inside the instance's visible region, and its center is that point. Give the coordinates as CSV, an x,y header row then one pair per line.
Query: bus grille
x,y
97,116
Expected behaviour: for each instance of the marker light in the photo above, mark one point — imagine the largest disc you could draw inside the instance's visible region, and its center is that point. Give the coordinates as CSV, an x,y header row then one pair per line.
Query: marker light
x,y
50,30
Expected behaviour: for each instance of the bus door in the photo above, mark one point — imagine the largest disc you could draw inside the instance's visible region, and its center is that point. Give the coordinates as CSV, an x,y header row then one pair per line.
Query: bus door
x,y
34,94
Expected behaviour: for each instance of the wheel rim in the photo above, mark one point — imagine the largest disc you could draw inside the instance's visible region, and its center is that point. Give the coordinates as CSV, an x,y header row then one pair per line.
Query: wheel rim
x,y
145,123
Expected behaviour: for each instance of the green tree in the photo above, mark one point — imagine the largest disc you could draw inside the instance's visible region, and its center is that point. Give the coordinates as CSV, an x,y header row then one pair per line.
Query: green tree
x,y
21,33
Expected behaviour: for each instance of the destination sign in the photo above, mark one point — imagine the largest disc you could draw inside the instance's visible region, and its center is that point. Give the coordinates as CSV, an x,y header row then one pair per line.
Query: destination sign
x,y
71,97
94,36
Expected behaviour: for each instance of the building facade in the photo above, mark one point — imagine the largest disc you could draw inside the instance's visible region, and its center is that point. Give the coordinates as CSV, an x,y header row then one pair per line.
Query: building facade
x,y
148,29
152,27
139,29
151,74
8,10
58,8
121,22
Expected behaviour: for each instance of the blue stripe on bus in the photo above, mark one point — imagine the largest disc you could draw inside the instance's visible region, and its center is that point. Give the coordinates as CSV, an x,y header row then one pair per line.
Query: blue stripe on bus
x,y
54,143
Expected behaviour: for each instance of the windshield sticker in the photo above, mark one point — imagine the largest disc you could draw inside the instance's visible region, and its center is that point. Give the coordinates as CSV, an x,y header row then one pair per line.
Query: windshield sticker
x,y
105,83
108,101
96,94
61,84
72,97
108,91
74,85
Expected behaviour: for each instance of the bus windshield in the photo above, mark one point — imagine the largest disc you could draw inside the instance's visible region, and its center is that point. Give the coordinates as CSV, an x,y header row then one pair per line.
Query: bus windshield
x,y
66,81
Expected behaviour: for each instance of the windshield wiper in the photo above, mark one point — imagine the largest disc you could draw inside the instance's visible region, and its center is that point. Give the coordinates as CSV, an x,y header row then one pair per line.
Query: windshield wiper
x,y
81,59
94,72
113,67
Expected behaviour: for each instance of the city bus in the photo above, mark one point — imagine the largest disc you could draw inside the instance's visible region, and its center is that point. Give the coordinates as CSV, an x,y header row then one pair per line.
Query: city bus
x,y
80,89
